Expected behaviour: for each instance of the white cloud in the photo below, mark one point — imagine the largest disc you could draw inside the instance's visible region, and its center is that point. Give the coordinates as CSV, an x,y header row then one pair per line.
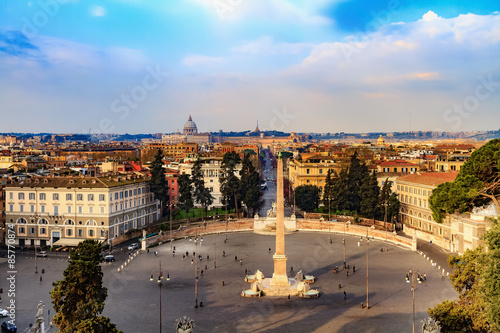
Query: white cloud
x,y
266,45
98,11
201,60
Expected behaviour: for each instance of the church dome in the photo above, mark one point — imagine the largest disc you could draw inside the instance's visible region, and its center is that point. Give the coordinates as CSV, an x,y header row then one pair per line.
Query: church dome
x,y
190,127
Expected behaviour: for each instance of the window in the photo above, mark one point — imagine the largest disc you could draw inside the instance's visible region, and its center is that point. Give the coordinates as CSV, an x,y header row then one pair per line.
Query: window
x,y
42,196
80,232
68,209
11,208
79,197
121,195
211,189
91,232
69,232
22,230
307,171
11,195
90,197
42,208
55,196
69,197
21,208
102,197
20,196
32,208
32,230
116,196
80,209
43,231
31,196
102,210
91,210
130,193
320,171
395,169
173,191
126,194
307,181
56,210
135,191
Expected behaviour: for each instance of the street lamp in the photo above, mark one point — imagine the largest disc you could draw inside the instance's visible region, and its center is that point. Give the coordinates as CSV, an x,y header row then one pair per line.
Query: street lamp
x,y
367,242
227,222
343,241
196,270
159,281
385,224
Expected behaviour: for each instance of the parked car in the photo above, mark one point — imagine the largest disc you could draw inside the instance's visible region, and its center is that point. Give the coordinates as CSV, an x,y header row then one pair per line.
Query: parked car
x,y
8,327
133,246
41,254
109,258
4,313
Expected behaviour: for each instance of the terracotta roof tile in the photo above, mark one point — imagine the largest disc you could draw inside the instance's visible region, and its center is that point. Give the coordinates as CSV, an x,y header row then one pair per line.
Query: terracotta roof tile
x,y
429,178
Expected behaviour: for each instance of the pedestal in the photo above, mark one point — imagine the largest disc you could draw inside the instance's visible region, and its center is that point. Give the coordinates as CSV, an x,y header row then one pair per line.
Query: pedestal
x,y
279,276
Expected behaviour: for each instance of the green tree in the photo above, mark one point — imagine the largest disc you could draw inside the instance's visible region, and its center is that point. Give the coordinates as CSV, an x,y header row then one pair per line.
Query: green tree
x,y
356,173
307,197
185,193
158,183
477,184
340,192
79,297
229,182
393,207
249,185
369,193
328,193
201,193
466,314
490,284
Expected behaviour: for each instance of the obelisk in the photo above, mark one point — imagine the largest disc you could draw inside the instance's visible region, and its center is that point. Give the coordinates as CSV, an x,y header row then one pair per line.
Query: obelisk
x,y
279,276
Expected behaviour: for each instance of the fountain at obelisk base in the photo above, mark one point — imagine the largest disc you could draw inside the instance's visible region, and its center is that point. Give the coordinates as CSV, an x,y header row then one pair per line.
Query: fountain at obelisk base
x,y
280,284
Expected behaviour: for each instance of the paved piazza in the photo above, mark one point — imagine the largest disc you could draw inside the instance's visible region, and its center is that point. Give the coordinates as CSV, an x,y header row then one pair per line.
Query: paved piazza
x,y
133,300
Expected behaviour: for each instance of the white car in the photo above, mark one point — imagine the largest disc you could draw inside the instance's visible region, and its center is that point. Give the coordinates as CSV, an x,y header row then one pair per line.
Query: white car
x,y
4,313
133,246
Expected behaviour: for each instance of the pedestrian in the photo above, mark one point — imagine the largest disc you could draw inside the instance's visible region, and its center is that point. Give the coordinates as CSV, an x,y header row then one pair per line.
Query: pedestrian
x,y
223,253
288,298
183,256
192,261
353,268
241,261
174,248
269,250
41,279
208,257
347,273
194,254
345,295
201,272
425,277
187,254
235,258
291,269
246,271
148,249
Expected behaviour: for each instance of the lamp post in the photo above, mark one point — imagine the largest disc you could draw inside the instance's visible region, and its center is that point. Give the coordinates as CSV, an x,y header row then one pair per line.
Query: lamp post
x,y
171,249
159,281
367,242
196,271
329,221
343,241
227,222
385,224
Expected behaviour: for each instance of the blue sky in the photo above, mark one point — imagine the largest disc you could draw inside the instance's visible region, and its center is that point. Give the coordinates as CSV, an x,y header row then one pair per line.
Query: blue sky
x,y
132,66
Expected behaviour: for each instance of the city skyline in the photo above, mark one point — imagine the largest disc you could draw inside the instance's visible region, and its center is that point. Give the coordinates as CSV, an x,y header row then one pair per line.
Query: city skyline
x,y
130,67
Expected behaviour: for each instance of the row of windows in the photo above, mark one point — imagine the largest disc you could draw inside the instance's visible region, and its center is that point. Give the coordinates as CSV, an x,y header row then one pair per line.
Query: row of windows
x,y
129,193
55,196
69,232
414,190
413,201
402,169
69,209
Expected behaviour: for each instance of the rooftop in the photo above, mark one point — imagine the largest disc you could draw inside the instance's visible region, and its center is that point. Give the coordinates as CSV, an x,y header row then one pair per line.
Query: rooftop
x,y
429,178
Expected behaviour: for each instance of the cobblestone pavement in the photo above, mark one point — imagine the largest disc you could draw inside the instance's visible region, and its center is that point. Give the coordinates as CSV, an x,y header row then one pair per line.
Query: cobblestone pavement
x,y
133,300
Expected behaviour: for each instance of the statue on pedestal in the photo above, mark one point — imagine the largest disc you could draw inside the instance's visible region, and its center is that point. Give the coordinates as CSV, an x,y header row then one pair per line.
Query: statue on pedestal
x,y
38,325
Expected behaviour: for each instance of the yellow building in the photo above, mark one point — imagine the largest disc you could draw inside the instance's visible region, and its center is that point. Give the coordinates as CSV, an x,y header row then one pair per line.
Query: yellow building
x,y
457,233
6,161
312,170
49,211
451,162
